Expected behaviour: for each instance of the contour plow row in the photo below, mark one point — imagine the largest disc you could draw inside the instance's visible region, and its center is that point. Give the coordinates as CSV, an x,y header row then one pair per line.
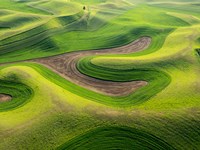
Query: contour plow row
x,y
13,94
65,65
96,75
124,91
116,138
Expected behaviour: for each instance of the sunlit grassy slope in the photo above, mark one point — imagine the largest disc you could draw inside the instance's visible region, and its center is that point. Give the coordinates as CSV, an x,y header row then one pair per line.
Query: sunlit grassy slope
x,y
49,112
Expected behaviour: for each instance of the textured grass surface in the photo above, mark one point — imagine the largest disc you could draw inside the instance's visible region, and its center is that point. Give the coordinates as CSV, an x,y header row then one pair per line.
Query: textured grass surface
x,y
61,117
116,138
20,93
101,32
18,6
157,81
57,7
49,112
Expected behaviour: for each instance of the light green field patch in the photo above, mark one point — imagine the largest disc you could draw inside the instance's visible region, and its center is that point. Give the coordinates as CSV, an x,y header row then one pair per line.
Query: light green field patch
x,y
188,18
47,95
18,23
177,58
143,14
89,2
177,44
19,6
59,112
58,7
18,20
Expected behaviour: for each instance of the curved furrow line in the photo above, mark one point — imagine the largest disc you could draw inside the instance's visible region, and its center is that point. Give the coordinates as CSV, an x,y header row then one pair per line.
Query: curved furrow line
x,y
110,138
13,94
65,65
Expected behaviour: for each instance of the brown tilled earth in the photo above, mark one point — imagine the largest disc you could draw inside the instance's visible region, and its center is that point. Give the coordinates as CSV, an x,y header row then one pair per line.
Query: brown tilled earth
x,y
5,98
65,65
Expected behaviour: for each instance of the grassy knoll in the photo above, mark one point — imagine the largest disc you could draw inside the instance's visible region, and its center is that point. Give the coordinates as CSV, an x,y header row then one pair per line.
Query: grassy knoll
x,y
177,58
18,6
49,112
190,8
57,7
157,81
116,138
64,116
20,94
103,29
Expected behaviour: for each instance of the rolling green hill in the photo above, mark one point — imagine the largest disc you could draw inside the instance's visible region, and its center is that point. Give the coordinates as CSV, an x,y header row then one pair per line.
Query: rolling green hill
x,y
62,60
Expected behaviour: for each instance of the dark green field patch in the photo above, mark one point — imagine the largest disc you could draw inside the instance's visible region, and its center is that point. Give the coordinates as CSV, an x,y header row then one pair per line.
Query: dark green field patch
x,y
187,8
116,138
198,51
17,21
20,93
64,20
198,41
157,81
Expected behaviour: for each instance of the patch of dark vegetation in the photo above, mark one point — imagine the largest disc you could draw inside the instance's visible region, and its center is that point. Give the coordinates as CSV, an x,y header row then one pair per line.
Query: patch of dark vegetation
x,y
18,21
20,93
198,40
110,138
198,51
47,45
137,33
4,12
80,25
12,77
23,35
196,4
39,41
64,20
4,28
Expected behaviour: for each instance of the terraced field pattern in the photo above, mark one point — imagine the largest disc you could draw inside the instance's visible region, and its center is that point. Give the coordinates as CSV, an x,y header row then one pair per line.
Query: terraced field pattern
x,y
99,75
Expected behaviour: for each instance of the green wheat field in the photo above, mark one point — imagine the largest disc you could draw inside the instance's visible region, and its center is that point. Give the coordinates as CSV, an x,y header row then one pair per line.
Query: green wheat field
x,y
99,74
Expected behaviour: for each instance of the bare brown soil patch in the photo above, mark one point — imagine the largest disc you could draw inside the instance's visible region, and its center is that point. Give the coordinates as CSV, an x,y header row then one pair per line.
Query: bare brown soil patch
x,y
5,98
65,65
